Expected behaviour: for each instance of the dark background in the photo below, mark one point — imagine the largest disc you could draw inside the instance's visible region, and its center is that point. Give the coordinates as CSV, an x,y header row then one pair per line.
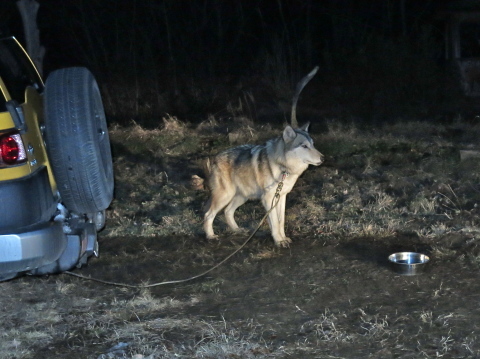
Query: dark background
x,y
380,60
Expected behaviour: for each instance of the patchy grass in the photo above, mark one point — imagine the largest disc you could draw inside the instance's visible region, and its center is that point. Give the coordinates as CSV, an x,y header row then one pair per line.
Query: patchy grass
x,y
398,187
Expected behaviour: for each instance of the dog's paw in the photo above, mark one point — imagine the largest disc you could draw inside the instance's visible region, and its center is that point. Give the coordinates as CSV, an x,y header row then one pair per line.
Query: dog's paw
x,y
284,243
212,237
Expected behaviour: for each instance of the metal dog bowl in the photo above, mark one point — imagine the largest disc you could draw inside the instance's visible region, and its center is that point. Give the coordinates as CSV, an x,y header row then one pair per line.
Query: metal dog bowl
x,y
408,263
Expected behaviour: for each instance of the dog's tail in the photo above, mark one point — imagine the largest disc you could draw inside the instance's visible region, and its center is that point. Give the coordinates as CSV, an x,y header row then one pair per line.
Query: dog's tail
x,y
201,183
207,171
303,82
207,167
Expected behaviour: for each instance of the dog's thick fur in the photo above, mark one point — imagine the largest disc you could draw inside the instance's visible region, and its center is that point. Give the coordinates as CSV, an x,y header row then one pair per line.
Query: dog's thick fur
x,y
254,172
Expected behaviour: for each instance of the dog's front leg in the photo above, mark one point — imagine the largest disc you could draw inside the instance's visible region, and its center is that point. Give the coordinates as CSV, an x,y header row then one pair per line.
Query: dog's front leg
x,y
281,215
276,219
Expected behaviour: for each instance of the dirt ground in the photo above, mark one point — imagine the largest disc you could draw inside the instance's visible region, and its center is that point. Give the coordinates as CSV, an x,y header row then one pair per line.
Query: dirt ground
x,y
318,299
331,294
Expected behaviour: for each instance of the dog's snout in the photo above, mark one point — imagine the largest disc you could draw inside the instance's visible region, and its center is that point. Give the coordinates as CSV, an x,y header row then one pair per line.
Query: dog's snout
x,y
320,160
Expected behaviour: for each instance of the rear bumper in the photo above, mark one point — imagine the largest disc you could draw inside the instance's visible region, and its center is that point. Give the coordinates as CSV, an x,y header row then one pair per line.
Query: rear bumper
x,y
30,250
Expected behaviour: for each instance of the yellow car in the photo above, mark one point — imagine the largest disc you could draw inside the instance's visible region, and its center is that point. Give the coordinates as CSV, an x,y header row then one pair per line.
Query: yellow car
x,y
56,172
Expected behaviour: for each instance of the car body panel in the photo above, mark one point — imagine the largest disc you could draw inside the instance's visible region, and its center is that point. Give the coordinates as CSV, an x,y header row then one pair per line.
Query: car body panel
x,y
32,110
26,202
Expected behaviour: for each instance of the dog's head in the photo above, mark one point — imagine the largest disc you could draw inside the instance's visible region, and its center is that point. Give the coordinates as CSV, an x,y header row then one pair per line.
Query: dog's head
x,y
300,146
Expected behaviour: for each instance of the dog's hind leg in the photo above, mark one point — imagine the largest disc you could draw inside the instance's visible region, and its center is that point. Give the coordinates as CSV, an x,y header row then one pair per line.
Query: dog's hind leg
x,y
236,202
216,203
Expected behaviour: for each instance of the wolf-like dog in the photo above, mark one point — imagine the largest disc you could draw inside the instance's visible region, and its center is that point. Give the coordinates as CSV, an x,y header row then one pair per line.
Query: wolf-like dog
x,y
254,172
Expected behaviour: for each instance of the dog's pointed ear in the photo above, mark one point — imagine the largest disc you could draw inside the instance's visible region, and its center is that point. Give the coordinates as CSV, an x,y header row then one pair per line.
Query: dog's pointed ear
x,y
289,134
305,127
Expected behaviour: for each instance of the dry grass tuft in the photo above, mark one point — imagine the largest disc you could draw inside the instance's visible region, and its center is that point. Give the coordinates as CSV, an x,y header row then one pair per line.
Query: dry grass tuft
x,y
171,124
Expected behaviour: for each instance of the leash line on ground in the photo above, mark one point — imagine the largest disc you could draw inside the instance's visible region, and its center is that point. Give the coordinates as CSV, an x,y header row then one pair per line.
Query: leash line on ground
x,y
275,200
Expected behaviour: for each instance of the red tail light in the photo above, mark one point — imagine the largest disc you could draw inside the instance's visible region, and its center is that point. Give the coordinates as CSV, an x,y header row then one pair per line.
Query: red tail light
x,y
12,151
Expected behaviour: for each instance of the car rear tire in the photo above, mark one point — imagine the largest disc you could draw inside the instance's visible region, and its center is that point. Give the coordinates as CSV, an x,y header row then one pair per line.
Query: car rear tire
x,y
77,140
